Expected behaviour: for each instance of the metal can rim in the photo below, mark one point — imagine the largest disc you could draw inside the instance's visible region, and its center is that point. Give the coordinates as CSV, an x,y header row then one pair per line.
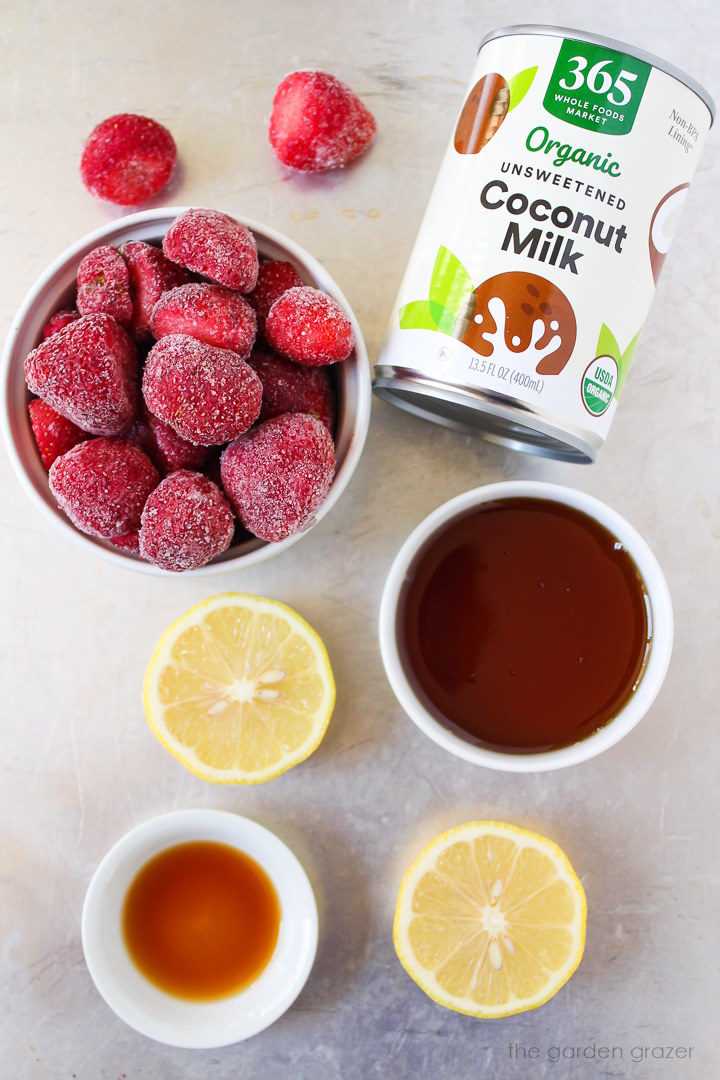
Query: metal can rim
x,y
613,43
496,417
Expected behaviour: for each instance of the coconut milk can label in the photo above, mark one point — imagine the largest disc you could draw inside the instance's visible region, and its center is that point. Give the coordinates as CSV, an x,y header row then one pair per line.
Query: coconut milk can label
x,y
553,212
596,88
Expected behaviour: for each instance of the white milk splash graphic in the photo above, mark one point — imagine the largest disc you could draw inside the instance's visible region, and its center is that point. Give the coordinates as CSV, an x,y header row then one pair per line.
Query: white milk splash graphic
x,y
501,353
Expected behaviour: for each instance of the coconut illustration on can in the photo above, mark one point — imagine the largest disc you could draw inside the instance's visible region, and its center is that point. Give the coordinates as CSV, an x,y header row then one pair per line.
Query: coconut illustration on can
x,y
664,224
537,259
482,114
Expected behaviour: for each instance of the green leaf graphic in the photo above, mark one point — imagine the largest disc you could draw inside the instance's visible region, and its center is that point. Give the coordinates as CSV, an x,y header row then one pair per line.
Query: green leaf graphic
x,y
424,315
450,284
624,362
416,316
519,85
450,288
607,345
443,319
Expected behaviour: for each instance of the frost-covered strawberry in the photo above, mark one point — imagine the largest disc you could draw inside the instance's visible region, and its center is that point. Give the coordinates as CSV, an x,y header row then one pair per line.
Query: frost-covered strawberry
x,y
54,434
209,313
166,449
277,475
208,395
214,245
318,123
186,522
59,321
274,278
127,159
103,285
103,485
293,388
309,327
151,275
129,542
88,372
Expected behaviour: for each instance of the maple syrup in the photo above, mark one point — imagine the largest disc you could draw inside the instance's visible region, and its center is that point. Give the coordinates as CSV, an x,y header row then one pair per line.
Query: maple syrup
x,y
201,920
524,625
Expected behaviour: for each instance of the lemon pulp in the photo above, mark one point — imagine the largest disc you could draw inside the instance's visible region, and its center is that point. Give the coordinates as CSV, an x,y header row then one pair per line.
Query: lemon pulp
x,y
239,689
490,919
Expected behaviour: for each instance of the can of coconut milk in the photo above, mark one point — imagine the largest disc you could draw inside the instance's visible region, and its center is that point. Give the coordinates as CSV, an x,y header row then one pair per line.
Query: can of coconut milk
x,y
536,262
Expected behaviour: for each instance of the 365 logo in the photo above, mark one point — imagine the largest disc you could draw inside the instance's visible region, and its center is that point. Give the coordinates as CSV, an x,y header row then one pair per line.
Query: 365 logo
x,y
596,88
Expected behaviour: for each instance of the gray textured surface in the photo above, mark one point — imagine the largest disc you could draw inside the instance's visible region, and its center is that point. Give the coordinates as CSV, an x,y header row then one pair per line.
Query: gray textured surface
x,y
79,765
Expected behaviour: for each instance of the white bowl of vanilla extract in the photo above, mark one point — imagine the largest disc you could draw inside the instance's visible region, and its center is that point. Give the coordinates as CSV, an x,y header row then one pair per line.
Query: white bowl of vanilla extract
x,y
199,928
526,626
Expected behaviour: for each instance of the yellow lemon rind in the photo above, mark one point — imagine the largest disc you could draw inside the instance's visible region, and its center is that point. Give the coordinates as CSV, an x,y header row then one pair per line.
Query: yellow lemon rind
x,y
186,757
425,861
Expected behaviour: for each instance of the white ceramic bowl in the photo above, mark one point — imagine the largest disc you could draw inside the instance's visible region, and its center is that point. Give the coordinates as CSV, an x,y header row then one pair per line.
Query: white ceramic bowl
x,y
652,677
56,288
171,1020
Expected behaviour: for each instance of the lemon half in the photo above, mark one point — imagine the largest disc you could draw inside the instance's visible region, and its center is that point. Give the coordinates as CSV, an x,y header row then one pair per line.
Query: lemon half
x,y
239,689
490,919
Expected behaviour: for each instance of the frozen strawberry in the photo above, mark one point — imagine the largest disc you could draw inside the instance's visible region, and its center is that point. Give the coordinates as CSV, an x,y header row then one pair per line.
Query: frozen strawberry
x,y
214,245
127,159
209,313
54,434
274,278
208,395
186,522
278,474
292,388
59,320
309,327
151,275
129,542
166,449
88,372
103,285
102,485
318,123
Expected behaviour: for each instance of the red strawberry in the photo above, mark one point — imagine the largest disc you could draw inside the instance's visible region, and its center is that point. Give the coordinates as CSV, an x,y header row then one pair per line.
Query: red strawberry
x,y
151,275
293,388
186,522
129,542
277,475
127,159
59,320
318,123
208,395
104,285
53,433
166,449
88,372
274,278
209,313
214,245
103,485
309,327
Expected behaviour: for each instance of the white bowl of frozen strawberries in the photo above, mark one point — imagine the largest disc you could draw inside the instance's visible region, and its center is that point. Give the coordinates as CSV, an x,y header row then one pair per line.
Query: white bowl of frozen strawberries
x,y
185,391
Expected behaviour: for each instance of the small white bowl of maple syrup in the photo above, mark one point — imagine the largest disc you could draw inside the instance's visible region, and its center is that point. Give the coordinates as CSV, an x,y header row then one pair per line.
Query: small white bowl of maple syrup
x,y
199,928
525,626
